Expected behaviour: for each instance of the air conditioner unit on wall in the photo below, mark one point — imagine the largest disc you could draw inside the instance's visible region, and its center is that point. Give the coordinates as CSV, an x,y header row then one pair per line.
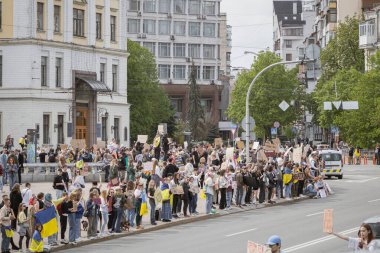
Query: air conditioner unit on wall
x,y
188,59
170,15
143,36
199,17
172,37
139,13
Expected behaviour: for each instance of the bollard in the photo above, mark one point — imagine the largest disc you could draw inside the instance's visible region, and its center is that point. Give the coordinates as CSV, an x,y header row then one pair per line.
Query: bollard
x,y
365,159
374,159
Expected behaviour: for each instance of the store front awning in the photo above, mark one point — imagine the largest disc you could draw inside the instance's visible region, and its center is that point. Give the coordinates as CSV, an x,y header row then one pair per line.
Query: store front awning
x,y
96,85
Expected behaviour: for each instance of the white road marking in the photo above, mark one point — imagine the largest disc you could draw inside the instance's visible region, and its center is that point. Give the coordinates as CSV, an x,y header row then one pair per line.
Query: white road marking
x,y
374,200
319,240
242,232
312,214
364,181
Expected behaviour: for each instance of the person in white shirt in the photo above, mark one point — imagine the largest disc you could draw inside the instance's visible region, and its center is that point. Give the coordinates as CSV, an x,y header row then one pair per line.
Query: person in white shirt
x,y
189,168
26,194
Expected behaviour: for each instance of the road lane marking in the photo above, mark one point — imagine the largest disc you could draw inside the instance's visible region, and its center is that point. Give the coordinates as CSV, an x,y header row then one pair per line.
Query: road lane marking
x,y
374,200
319,240
364,181
312,214
242,232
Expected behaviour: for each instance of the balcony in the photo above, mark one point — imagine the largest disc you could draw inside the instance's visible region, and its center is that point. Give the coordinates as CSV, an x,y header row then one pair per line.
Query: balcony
x,y
367,34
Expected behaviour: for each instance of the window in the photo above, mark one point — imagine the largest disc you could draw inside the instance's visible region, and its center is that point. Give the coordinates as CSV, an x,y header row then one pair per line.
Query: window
x,y
197,70
98,26
195,50
149,26
102,72
209,51
194,29
163,71
179,6
164,6
133,26
1,21
1,71
292,32
78,22
104,128
163,49
44,60
113,28
288,43
179,71
209,29
149,6
208,72
209,8
46,129
58,73
176,103
331,16
60,134
179,50
40,16
164,27
151,46
57,18
125,133
288,57
206,104
228,56
114,77
180,28
116,126
195,7
134,5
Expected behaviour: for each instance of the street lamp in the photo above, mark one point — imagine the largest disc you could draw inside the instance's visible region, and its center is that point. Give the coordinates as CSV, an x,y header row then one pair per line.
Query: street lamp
x,y
249,93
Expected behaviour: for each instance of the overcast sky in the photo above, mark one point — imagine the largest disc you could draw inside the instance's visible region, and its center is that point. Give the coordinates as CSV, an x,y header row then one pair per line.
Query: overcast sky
x,y
251,22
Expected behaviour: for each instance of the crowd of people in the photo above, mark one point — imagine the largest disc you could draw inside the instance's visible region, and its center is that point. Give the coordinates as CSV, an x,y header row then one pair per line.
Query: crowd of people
x,y
164,183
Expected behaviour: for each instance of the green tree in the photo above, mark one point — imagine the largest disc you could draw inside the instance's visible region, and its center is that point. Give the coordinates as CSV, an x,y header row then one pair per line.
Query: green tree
x,y
342,52
274,86
195,114
149,103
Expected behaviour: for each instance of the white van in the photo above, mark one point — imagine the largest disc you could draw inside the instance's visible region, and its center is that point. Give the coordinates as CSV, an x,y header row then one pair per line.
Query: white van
x,y
332,163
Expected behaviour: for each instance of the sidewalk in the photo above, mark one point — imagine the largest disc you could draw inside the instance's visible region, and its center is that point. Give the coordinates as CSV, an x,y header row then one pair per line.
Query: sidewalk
x,y
47,188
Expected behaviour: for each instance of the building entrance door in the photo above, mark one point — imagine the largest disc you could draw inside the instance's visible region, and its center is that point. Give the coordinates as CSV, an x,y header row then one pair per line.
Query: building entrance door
x,y
82,121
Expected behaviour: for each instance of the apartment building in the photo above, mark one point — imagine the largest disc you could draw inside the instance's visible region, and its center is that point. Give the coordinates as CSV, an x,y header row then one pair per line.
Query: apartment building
x,y
63,70
178,33
288,29
369,30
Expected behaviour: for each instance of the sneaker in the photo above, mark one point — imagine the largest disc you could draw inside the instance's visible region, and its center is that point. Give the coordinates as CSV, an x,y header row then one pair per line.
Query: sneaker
x,y
73,243
79,239
301,195
288,199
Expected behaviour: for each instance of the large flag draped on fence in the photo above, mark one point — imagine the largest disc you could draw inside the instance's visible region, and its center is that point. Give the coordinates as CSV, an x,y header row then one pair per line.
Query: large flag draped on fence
x,y
48,219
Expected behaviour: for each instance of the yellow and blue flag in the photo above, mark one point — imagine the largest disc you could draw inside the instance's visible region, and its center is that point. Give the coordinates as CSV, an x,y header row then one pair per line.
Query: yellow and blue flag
x,y
8,231
48,219
36,244
144,207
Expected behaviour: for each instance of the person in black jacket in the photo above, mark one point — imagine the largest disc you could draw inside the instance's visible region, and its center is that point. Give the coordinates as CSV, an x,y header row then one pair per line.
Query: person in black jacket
x,y
171,168
165,146
186,196
59,184
21,160
63,211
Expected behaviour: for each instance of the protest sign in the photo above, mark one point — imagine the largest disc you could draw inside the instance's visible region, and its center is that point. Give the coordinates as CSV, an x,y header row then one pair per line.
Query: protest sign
x,y
297,155
269,146
218,142
63,146
142,138
101,144
299,176
256,145
78,143
253,247
240,145
328,220
230,154
262,156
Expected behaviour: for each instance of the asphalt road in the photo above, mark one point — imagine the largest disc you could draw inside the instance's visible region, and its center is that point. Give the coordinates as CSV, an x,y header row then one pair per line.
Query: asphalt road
x,y
299,224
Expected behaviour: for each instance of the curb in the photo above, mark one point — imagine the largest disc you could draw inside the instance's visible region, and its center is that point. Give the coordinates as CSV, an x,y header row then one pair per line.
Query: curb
x,y
173,224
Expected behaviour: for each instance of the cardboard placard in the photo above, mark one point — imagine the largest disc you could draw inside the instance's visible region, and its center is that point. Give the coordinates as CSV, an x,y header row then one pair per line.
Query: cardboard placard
x,y
95,147
253,247
177,189
299,176
240,145
78,143
218,142
256,145
328,221
297,155
229,154
262,156
101,144
64,146
142,138
269,146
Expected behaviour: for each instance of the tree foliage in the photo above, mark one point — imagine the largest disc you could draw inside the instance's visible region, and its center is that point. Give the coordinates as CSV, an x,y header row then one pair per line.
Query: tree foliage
x,y
149,103
270,89
195,113
342,52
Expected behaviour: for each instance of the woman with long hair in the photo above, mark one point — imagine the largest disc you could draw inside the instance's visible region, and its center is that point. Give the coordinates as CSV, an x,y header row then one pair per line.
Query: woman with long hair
x,y
104,212
175,184
365,242
12,170
23,226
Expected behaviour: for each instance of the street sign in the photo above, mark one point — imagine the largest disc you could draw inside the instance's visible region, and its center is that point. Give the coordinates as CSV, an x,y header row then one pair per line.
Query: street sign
x,y
276,124
252,136
284,105
337,104
251,123
273,131
350,105
327,106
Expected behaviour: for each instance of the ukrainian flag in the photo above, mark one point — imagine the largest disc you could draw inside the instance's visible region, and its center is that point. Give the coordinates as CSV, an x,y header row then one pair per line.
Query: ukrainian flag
x,y
48,219
36,244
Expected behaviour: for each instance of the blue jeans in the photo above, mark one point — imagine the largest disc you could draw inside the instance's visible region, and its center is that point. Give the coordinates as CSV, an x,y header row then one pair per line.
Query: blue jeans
x,y
71,218
77,227
288,190
53,238
117,223
58,193
229,198
12,180
208,203
5,177
5,241
239,195
104,222
193,203
279,188
1,183
131,216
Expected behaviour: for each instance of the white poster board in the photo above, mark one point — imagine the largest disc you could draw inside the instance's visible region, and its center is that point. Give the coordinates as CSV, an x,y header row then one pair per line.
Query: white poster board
x,y
230,154
142,138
